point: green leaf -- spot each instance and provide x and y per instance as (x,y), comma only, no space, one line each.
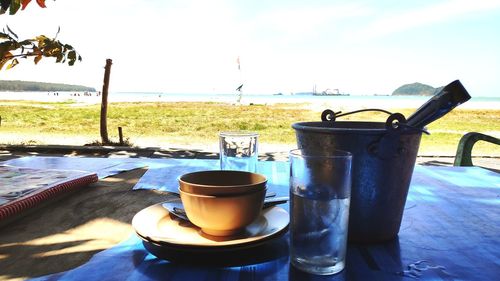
(4,4)
(59,57)
(14,6)
(5,59)
(4,47)
(11,32)
(13,63)
(39,47)
(72,55)
(41,38)
(25,42)
(8,46)
(2,63)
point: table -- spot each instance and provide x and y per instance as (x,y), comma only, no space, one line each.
(450,231)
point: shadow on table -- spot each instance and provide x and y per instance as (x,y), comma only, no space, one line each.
(163,270)
(363,262)
(380,261)
(66,233)
(297,275)
(268,251)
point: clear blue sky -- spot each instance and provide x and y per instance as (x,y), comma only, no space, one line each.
(191,46)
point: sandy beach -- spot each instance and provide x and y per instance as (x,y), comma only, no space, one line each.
(316,103)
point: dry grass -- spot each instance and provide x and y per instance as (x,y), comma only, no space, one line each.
(195,124)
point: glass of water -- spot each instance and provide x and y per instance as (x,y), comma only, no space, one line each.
(238,151)
(320,192)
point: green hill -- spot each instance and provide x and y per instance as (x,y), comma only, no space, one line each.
(29,86)
(415,89)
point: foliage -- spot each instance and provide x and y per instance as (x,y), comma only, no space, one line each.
(14,5)
(42,46)
(18,86)
(11,48)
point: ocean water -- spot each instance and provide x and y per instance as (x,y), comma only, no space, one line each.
(320,102)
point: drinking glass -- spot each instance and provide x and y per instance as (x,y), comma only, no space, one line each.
(238,151)
(320,192)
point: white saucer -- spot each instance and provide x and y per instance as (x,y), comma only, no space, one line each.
(155,224)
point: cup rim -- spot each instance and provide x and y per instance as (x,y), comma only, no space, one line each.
(332,154)
(182,178)
(238,134)
(232,195)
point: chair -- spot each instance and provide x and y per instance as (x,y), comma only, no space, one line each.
(464,150)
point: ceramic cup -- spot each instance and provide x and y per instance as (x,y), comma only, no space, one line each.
(223,215)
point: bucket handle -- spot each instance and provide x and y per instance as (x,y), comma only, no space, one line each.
(395,121)
(330,115)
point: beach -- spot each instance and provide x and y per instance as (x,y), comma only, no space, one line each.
(317,103)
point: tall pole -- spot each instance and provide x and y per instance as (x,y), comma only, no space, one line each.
(240,88)
(104,103)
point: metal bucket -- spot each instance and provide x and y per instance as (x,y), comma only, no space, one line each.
(384,156)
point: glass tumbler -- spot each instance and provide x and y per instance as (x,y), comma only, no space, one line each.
(320,191)
(238,151)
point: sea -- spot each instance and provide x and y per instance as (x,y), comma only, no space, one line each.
(352,102)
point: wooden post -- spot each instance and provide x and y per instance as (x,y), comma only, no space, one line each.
(104,103)
(0,121)
(120,134)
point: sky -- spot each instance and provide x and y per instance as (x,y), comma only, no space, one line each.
(283,46)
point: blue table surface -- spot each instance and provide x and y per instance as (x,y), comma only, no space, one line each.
(450,231)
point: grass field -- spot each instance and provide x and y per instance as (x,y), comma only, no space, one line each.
(195,124)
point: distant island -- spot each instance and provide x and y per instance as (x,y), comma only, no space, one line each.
(416,89)
(30,86)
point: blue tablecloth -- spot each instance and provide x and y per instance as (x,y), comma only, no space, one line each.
(450,231)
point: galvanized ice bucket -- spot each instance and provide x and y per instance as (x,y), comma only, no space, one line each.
(384,156)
